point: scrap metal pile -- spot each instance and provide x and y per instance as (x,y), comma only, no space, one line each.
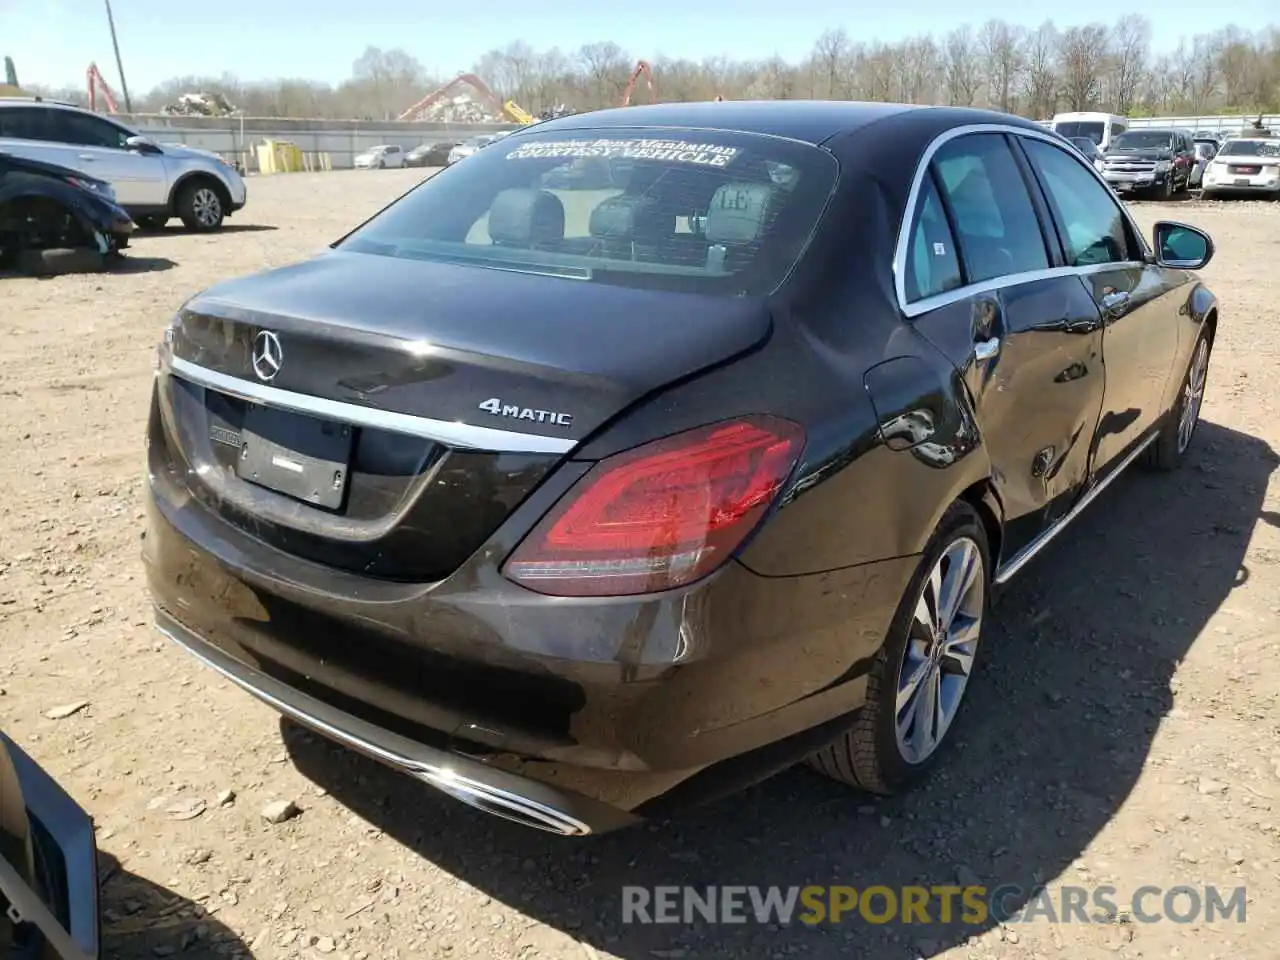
(200,105)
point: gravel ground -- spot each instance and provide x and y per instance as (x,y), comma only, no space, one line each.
(1124,731)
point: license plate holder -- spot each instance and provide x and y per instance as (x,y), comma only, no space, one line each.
(300,456)
(1243,182)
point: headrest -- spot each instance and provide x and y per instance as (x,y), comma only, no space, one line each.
(621,217)
(739,212)
(523,216)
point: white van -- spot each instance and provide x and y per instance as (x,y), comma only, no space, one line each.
(1101,128)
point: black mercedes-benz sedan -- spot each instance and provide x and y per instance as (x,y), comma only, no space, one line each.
(582,499)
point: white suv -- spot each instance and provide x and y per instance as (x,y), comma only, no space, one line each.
(152,182)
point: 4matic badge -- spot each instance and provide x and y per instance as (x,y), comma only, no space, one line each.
(516,412)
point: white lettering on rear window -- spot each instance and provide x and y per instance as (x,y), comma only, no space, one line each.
(671,151)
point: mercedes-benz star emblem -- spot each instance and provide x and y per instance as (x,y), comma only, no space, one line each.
(267,355)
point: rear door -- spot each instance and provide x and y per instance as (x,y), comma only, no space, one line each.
(31,133)
(985,283)
(1137,300)
(99,149)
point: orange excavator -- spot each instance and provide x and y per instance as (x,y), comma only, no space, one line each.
(99,87)
(510,109)
(642,67)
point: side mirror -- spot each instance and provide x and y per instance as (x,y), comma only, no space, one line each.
(141,145)
(1181,246)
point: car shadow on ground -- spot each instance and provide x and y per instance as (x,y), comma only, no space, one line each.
(1078,662)
(142,921)
(174,229)
(134,264)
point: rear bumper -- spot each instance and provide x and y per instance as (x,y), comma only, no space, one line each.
(70,829)
(494,791)
(619,701)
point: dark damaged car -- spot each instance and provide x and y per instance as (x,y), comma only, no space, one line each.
(48,866)
(583,499)
(48,211)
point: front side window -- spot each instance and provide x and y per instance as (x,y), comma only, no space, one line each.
(933,266)
(695,211)
(995,223)
(1091,221)
(86,131)
(1116,130)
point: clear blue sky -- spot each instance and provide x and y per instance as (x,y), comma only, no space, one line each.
(53,41)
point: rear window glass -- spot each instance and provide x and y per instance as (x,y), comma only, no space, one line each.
(1250,148)
(692,211)
(1091,129)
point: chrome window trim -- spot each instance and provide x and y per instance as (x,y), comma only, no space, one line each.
(450,433)
(902,248)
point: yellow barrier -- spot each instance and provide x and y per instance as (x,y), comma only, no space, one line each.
(279,156)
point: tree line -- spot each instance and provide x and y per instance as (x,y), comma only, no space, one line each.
(1032,71)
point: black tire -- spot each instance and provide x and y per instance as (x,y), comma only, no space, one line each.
(200,206)
(1171,446)
(1165,190)
(869,756)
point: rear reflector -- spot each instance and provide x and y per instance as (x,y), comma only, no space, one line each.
(662,515)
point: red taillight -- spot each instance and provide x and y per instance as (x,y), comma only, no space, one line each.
(661,515)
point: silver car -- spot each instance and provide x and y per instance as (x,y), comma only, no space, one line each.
(152,182)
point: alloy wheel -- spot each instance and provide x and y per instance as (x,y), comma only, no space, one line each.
(940,650)
(1193,395)
(207,207)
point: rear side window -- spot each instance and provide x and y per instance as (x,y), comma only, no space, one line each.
(1091,222)
(933,266)
(695,211)
(25,123)
(995,223)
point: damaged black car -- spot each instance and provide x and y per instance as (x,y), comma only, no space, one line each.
(54,219)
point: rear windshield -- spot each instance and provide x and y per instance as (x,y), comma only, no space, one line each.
(1142,140)
(1250,148)
(688,210)
(1091,129)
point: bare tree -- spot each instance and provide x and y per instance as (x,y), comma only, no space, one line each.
(1001,50)
(1041,74)
(830,54)
(1130,49)
(1082,55)
(964,75)
(996,64)
(605,63)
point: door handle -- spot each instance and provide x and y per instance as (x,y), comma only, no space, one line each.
(986,349)
(87,156)
(1115,301)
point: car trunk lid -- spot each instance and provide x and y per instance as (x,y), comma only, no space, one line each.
(412,405)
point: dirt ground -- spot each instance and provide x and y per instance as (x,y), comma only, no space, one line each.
(1124,731)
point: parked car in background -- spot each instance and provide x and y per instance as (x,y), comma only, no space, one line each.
(154,182)
(1101,128)
(1245,166)
(469,147)
(50,211)
(48,866)
(1206,149)
(652,518)
(1153,161)
(383,156)
(1089,150)
(430,154)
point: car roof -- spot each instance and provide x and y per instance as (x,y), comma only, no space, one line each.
(809,121)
